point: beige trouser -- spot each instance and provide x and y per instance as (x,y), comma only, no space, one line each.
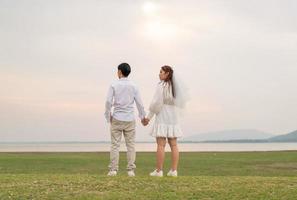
(116,130)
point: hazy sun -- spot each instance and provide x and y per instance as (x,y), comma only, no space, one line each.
(149,8)
(156,26)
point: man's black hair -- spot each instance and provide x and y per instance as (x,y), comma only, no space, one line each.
(125,69)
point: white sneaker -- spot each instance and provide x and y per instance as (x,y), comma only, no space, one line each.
(156,173)
(131,173)
(172,173)
(112,173)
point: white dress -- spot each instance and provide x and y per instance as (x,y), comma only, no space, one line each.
(167,114)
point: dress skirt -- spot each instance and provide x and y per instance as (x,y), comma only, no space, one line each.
(167,123)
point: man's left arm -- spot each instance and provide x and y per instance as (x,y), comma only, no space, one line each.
(108,104)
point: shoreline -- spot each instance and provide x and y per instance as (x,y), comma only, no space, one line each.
(148,147)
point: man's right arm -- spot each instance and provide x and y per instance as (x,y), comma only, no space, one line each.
(139,104)
(108,104)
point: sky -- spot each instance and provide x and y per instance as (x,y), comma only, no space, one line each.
(58,58)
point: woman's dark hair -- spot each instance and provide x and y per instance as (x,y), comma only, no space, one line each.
(169,70)
(125,69)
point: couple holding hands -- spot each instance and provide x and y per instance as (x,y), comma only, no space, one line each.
(168,102)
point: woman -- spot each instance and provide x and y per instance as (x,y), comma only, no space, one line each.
(166,104)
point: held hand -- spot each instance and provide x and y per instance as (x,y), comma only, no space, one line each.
(145,121)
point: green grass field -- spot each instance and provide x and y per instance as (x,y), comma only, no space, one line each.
(257,175)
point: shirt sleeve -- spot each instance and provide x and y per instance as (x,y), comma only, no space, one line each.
(139,104)
(108,104)
(156,103)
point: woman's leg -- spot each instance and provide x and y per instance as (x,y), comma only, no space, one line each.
(174,153)
(161,142)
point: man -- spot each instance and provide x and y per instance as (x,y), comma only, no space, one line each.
(121,96)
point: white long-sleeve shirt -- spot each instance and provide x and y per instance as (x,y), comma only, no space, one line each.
(121,96)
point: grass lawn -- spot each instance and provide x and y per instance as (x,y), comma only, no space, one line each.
(252,175)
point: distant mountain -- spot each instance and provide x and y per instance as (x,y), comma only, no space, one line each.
(290,137)
(239,134)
